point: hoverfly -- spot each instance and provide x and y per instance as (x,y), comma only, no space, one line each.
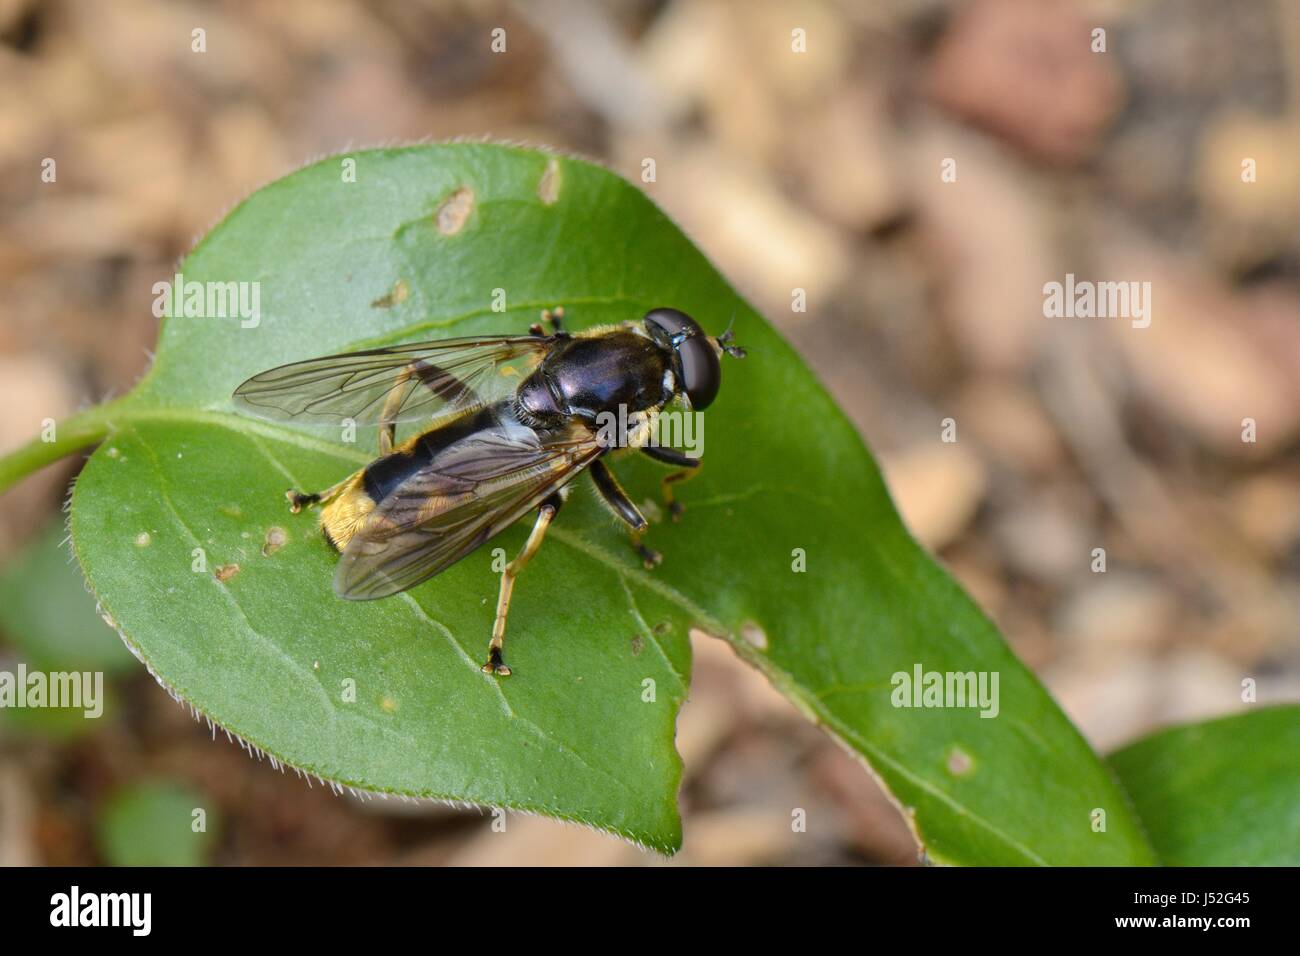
(512,420)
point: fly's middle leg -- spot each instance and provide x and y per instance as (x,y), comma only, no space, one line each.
(545,515)
(612,493)
(687,466)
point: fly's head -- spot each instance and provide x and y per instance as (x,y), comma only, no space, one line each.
(696,357)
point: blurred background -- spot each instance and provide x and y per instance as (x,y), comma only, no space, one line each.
(817,170)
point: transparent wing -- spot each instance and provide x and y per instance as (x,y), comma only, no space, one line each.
(468,493)
(401,383)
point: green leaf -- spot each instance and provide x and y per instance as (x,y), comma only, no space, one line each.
(153,824)
(48,614)
(1221,793)
(584,729)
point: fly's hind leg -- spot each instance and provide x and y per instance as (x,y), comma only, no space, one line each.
(688,468)
(545,515)
(299,500)
(446,386)
(612,493)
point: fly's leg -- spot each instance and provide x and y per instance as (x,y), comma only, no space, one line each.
(445,385)
(649,556)
(388,415)
(553,317)
(545,515)
(688,468)
(299,500)
(612,493)
(675,507)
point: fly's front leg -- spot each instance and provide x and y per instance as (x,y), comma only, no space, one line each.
(689,468)
(545,515)
(612,493)
(552,317)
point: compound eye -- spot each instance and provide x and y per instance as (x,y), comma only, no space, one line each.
(664,323)
(701,371)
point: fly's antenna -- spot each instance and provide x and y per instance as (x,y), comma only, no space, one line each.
(724,341)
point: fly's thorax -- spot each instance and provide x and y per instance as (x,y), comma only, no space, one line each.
(537,400)
(608,373)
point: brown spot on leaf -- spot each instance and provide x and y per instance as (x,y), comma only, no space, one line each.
(401,292)
(959,762)
(548,189)
(227,571)
(638,642)
(454,210)
(275,540)
(754,635)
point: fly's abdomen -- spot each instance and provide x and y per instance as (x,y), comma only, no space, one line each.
(343,516)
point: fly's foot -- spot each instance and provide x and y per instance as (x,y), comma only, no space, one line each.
(649,557)
(297,500)
(495,665)
(688,468)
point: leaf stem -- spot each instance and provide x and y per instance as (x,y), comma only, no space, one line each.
(79,431)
